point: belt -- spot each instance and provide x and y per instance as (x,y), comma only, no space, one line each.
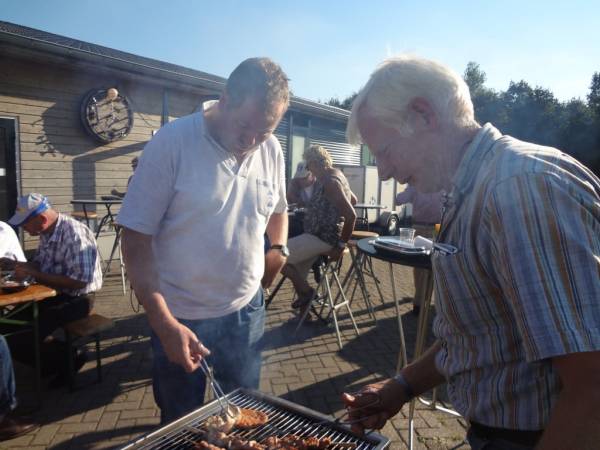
(523,437)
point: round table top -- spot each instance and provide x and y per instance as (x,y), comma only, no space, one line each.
(361,234)
(418,261)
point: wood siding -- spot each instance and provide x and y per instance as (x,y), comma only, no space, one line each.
(56,156)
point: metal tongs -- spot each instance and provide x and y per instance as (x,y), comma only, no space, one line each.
(226,406)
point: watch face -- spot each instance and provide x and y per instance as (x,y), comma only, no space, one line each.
(106,115)
(285,251)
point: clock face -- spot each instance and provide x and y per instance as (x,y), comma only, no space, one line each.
(106,115)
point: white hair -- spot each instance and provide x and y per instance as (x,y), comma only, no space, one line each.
(399,80)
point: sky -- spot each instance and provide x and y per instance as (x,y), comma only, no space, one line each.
(328,48)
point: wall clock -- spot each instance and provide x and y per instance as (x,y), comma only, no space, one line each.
(106,115)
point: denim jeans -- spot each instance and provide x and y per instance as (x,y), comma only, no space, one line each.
(235,344)
(8,397)
(479,443)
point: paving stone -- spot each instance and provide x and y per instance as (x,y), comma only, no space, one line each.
(307,368)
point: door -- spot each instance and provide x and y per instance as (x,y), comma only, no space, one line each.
(8,169)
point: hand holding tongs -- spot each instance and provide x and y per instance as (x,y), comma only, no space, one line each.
(226,406)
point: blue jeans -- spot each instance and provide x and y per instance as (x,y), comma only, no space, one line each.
(235,344)
(8,397)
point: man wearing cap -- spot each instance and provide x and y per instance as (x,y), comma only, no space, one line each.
(66,260)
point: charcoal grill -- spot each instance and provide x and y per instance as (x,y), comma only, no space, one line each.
(284,418)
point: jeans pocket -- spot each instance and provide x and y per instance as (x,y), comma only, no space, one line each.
(257,303)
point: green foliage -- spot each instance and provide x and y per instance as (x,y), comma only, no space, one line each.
(344,104)
(536,115)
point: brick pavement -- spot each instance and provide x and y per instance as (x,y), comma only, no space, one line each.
(307,368)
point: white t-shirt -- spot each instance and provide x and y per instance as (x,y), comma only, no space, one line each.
(207,215)
(9,243)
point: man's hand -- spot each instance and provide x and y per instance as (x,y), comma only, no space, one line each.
(7,264)
(373,405)
(274,261)
(24,270)
(182,347)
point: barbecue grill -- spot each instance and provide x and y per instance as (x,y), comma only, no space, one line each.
(284,418)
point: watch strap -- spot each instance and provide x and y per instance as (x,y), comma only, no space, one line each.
(408,390)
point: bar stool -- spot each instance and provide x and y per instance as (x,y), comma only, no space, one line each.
(361,266)
(85,216)
(323,298)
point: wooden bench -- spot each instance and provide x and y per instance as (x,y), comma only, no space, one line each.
(75,331)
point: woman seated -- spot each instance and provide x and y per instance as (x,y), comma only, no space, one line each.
(328,223)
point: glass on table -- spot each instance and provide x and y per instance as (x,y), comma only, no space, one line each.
(407,235)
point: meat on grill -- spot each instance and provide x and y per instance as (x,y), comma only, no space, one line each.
(251,418)
(293,442)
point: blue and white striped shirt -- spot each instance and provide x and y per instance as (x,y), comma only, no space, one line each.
(525,285)
(71,251)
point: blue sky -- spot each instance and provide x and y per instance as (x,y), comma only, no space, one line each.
(329,47)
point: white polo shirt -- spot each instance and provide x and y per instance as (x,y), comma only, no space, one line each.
(207,215)
(9,243)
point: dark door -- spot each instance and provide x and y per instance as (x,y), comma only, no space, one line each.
(8,169)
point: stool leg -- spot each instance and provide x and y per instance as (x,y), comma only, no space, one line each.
(98,360)
(377,282)
(363,287)
(345,303)
(335,319)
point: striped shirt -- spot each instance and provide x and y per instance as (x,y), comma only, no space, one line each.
(525,284)
(71,251)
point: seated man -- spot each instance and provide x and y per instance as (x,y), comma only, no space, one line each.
(115,191)
(11,426)
(66,260)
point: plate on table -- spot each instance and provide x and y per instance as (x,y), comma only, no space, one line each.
(13,286)
(394,244)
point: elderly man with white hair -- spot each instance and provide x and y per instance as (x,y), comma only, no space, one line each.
(518,310)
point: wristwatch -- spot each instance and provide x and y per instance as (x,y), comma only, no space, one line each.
(282,248)
(406,388)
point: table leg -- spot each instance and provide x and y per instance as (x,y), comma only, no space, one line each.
(37,350)
(85,214)
(402,358)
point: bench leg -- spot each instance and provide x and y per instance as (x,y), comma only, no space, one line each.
(70,358)
(98,361)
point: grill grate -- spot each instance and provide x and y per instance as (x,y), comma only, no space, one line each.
(284,418)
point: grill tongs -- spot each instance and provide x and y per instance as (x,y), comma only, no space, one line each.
(227,407)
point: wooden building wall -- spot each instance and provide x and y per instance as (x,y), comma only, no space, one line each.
(55,155)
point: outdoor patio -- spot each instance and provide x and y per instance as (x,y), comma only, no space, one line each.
(307,368)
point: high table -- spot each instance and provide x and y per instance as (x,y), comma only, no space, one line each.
(107,220)
(364,208)
(14,302)
(422,262)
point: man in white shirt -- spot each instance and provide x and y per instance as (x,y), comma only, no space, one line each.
(207,188)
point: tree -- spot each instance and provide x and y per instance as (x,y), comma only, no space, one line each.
(344,104)
(474,77)
(594,95)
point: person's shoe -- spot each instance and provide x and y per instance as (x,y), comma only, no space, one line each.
(12,427)
(62,378)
